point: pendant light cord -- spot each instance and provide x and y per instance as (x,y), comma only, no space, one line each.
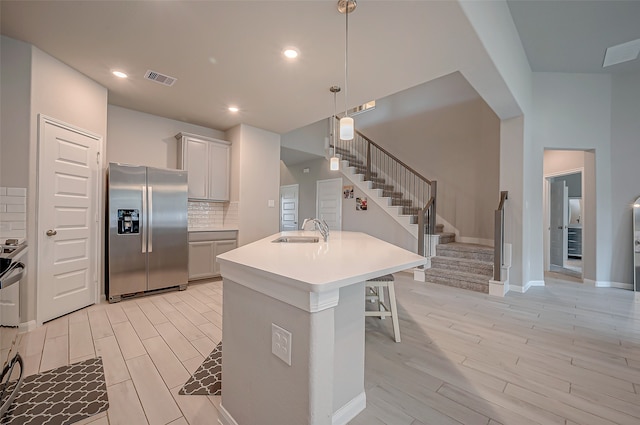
(333,123)
(346,58)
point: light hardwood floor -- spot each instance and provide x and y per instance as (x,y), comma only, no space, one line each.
(562,354)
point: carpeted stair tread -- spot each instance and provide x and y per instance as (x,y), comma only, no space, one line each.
(446,237)
(391,194)
(465,250)
(458,279)
(382,186)
(400,202)
(467,265)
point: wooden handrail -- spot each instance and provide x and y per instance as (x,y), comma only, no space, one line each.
(503,196)
(386,152)
(429,207)
(379,165)
(498,237)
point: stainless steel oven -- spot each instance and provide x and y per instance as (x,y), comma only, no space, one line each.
(12,271)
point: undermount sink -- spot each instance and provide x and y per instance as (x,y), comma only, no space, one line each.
(296,239)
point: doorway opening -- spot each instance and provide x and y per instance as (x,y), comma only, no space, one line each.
(289,207)
(329,202)
(564,207)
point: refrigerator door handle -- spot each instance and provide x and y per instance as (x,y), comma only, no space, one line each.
(150,220)
(144,218)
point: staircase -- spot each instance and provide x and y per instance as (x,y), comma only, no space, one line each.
(406,196)
(356,170)
(462,265)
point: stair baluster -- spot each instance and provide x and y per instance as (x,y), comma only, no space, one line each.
(413,193)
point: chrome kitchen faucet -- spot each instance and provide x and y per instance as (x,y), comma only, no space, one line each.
(322,226)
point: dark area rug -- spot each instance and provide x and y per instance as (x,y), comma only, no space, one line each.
(207,379)
(60,396)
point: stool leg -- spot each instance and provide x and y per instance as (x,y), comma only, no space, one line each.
(394,311)
(381,301)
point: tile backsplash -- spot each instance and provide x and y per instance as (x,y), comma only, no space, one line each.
(13,213)
(212,214)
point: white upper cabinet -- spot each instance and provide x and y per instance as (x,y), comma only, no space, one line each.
(207,161)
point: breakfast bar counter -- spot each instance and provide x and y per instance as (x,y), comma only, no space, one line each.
(293,326)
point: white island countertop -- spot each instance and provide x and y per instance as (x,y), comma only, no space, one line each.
(311,297)
(346,258)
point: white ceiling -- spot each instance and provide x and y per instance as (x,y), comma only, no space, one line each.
(572,36)
(229,52)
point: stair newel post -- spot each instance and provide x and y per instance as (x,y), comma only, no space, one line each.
(368,171)
(498,235)
(432,221)
(421,231)
(427,221)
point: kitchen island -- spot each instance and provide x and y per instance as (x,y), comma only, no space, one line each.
(293,326)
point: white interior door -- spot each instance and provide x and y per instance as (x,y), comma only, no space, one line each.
(68,201)
(329,202)
(289,207)
(558,214)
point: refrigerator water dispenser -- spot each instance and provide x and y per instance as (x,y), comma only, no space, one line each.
(128,221)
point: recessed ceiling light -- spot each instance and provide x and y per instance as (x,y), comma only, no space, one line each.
(233,109)
(290,53)
(119,74)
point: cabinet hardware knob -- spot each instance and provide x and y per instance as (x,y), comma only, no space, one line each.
(51,232)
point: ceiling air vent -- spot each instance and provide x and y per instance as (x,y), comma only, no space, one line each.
(160,78)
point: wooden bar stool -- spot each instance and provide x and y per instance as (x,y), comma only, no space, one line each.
(374,292)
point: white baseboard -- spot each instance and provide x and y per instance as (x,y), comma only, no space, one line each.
(608,284)
(418,275)
(27,326)
(622,285)
(343,415)
(225,417)
(498,288)
(525,288)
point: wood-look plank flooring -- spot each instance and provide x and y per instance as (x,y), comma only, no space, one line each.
(563,354)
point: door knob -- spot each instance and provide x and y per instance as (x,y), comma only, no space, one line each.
(51,233)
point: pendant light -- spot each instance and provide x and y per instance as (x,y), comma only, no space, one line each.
(346,123)
(334,162)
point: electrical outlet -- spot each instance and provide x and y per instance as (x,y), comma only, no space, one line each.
(281,343)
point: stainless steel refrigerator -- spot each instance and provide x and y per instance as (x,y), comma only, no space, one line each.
(148,240)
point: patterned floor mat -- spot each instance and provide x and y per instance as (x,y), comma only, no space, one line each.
(60,396)
(207,380)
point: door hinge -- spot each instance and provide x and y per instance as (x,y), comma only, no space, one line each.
(98,158)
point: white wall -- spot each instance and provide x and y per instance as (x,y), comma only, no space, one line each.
(508,91)
(573,111)
(43,85)
(255,181)
(15,89)
(310,138)
(562,161)
(625,180)
(375,221)
(142,139)
(65,94)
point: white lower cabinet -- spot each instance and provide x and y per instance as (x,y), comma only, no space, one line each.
(203,249)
